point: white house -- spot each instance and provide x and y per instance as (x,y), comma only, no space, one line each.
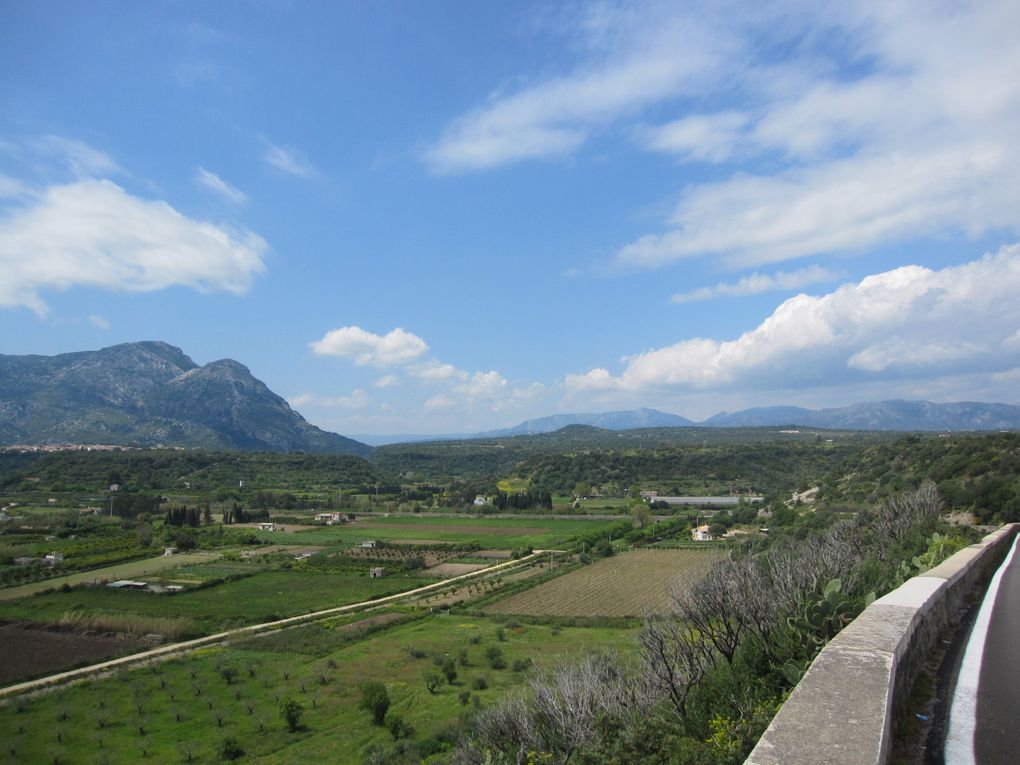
(54,558)
(331,519)
(168,551)
(267,526)
(701,534)
(378,572)
(368,543)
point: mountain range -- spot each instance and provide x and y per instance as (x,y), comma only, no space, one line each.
(153,394)
(150,394)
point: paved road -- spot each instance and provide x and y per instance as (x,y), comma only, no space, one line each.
(984,719)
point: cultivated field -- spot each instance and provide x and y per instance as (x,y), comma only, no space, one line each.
(183,709)
(261,597)
(488,532)
(623,585)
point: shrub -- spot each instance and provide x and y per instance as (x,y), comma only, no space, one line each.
(375,699)
(480,682)
(291,711)
(521,665)
(230,749)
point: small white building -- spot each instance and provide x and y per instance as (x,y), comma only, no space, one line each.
(168,551)
(267,526)
(701,534)
(481,501)
(331,519)
(54,558)
(378,572)
(368,544)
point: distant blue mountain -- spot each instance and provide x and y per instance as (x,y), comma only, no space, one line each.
(626,420)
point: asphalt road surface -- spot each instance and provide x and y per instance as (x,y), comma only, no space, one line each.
(984,719)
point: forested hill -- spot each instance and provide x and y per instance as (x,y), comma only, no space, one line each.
(973,472)
(183,471)
(150,394)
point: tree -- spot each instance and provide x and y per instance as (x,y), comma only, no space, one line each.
(432,681)
(641,514)
(449,669)
(398,727)
(375,699)
(291,711)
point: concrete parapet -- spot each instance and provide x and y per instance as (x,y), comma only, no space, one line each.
(842,711)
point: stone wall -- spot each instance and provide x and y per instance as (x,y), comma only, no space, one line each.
(842,710)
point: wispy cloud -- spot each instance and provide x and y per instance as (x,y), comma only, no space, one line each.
(832,127)
(638,64)
(83,160)
(756,284)
(209,180)
(98,322)
(911,323)
(288,160)
(357,399)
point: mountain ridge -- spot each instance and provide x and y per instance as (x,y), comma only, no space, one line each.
(151,393)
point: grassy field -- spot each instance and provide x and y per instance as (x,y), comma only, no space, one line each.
(261,597)
(623,585)
(183,709)
(487,532)
(130,570)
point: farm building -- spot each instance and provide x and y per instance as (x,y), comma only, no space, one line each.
(168,551)
(267,526)
(54,558)
(481,501)
(331,518)
(368,543)
(128,584)
(701,534)
(377,573)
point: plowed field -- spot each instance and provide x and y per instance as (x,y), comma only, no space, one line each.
(627,584)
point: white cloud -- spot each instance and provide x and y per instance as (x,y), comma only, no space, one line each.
(906,131)
(387,381)
(288,160)
(99,322)
(92,233)
(436,371)
(358,399)
(82,160)
(908,323)
(708,137)
(639,63)
(214,183)
(756,284)
(835,127)
(395,347)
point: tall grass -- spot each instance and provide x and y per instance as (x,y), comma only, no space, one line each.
(132,624)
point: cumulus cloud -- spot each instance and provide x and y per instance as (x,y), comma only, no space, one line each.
(93,233)
(367,348)
(907,323)
(387,381)
(228,191)
(288,160)
(756,284)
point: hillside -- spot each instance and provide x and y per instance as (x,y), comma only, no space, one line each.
(151,394)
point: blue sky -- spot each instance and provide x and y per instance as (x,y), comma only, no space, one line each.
(446,217)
